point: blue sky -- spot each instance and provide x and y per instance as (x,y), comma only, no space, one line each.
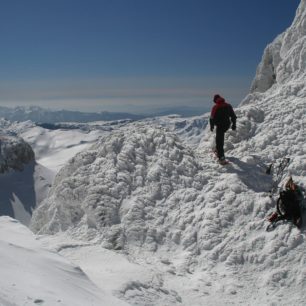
(133,55)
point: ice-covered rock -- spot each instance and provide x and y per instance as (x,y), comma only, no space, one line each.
(24,183)
(14,153)
(125,186)
(191,130)
(279,91)
(283,61)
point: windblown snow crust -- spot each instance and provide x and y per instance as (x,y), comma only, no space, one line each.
(126,186)
(283,61)
(279,90)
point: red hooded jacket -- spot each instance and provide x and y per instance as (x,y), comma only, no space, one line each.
(222,114)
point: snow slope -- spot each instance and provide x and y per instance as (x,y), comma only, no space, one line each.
(22,191)
(32,275)
(53,148)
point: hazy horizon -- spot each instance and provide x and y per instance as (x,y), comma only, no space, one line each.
(134,56)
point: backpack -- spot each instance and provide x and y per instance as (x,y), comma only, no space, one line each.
(288,206)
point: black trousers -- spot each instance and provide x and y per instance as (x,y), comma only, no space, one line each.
(220,141)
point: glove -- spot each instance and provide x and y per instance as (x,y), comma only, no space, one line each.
(234,127)
(211,128)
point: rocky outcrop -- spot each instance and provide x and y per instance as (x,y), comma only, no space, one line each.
(14,153)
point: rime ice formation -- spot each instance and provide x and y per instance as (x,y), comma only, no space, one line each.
(279,90)
(283,61)
(124,186)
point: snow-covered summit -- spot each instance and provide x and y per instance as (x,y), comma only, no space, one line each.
(283,61)
(279,91)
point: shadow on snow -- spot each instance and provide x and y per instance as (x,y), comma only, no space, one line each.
(17,193)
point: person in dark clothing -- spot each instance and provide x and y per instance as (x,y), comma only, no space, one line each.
(222,116)
(291,198)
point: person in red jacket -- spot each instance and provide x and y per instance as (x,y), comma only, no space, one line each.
(222,116)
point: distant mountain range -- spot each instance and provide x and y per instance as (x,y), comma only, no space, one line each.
(42,115)
(38,114)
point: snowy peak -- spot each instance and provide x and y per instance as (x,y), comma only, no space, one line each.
(297,30)
(279,91)
(284,59)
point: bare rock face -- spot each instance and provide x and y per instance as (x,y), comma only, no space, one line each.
(14,153)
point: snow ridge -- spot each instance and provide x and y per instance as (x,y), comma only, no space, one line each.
(283,61)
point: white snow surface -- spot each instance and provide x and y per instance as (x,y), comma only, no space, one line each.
(283,61)
(53,148)
(151,218)
(32,275)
